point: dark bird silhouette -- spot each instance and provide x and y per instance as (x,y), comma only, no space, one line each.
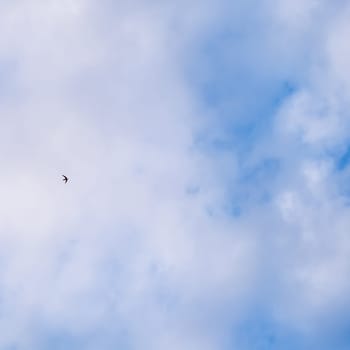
(65,178)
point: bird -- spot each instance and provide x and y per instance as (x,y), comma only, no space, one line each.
(65,178)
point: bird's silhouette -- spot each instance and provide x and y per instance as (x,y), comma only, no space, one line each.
(65,178)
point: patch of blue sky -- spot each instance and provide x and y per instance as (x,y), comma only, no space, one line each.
(241,87)
(344,159)
(266,169)
(238,91)
(254,187)
(337,336)
(340,158)
(259,331)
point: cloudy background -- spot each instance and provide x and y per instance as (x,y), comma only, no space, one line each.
(207,145)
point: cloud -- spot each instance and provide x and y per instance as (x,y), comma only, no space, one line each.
(204,207)
(121,252)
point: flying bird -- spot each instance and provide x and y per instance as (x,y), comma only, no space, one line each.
(65,178)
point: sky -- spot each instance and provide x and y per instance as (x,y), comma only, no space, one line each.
(207,145)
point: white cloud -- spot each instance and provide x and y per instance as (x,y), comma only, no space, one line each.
(105,104)
(315,126)
(137,248)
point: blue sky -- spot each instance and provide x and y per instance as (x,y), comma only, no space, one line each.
(207,146)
